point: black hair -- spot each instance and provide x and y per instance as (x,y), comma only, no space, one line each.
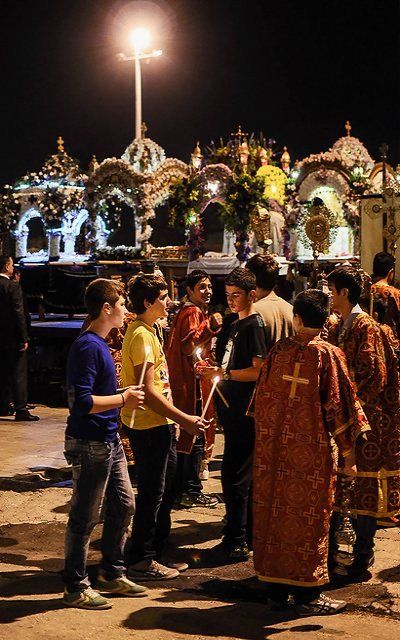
(265,269)
(196,276)
(383,263)
(313,308)
(100,291)
(3,261)
(242,279)
(146,287)
(350,278)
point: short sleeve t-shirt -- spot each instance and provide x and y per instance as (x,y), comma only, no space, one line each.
(137,337)
(246,341)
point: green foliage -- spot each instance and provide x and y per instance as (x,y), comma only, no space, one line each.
(183,200)
(243,195)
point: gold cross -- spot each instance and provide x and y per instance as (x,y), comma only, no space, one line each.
(347,126)
(144,129)
(295,380)
(239,134)
(60,143)
(390,212)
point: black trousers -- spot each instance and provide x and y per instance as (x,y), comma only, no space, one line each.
(13,378)
(188,469)
(236,476)
(155,463)
(302,595)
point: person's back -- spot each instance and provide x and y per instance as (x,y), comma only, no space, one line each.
(275,311)
(278,317)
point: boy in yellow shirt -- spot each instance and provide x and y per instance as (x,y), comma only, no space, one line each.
(153,436)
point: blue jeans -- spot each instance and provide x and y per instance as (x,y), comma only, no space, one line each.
(99,471)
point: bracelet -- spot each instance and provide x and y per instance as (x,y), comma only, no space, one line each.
(123,400)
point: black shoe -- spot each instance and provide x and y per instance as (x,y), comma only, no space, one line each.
(189,500)
(7,411)
(224,553)
(25,416)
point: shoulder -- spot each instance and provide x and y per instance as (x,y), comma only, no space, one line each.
(88,345)
(364,322)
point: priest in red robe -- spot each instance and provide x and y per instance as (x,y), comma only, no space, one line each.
(383,276)
(372,367)
(304,399)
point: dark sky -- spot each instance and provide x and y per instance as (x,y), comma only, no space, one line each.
(294,69)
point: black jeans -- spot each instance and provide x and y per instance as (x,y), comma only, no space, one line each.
(14,378)
(99,471)
(302,595)
(236,476)
(155,463)
(188,469)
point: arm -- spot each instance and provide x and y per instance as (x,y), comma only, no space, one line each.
(18,311)
(369,362)
(238,375)
(195,330)
(158,403)
(133,398)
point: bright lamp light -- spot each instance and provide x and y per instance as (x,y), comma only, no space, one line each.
(140,38)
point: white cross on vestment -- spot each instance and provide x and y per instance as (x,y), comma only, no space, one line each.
(295,380)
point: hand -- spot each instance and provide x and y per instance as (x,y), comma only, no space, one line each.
(134,397)
(24,346)
(215,321)
(194,425)
(349,470)
(210,372)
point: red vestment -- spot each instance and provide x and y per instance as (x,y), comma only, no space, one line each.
(190,330)
(304,398)
(392,295)
(373,367)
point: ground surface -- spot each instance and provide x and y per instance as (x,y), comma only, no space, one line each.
(205,602)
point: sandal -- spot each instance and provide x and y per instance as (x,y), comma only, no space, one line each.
(322,606)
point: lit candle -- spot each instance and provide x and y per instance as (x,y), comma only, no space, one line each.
(147,353)
(214,386)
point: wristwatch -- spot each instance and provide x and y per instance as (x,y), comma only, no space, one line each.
(226,376)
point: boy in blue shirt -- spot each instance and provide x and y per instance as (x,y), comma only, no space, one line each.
(93,447)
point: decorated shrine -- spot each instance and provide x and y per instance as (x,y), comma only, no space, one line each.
(45,212)
(233,198)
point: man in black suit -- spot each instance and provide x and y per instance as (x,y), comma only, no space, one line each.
(13,342)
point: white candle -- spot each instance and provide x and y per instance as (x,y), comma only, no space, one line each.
(147,353)
(214,386)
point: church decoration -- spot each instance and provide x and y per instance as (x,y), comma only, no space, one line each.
(318,227)
(55,196)
(141,178)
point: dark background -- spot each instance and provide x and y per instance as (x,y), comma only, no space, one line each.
(295,70)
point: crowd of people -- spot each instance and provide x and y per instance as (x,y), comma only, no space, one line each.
(306,394)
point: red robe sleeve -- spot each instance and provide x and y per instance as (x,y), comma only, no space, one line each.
(369,360)
(344,417)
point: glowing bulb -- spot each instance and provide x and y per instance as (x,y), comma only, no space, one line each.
(140,38)
(212,186)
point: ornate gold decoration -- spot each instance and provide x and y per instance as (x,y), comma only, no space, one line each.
(60,145)
(347,126)
(285,160)
(389,209)
(143,129)
(317,226)
(260,221)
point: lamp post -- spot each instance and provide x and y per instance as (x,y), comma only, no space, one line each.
(140,39)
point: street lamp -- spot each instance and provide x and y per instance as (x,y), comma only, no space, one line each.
(140,39)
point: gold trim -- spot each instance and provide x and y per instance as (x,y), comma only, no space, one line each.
(380,475)
(295,583)
(342,428)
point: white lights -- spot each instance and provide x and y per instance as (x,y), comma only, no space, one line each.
(213,186)
(140,39)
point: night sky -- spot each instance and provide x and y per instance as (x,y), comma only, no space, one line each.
(295,70)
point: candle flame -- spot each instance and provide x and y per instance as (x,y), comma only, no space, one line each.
(147,350)
(198,353)
(216,379)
